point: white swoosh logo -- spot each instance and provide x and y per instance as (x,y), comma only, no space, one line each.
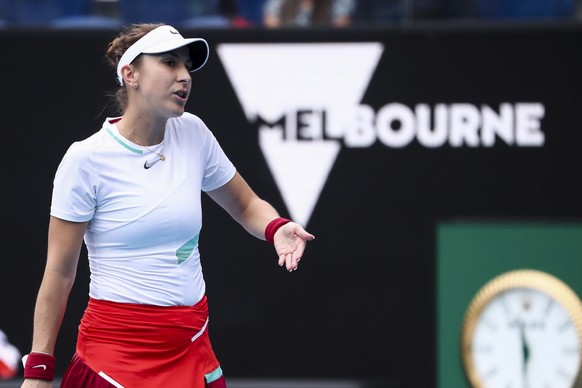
(43,366)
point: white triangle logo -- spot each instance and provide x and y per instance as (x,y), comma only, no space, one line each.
(302,92)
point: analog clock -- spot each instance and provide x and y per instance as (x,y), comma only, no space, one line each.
(523,329)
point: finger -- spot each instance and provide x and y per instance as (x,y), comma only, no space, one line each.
(288,262)
(295,263)
(305,235)
(298,253)
(291,263)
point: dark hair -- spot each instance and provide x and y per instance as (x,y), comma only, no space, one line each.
(128,36)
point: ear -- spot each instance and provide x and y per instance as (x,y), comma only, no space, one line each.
(128,74)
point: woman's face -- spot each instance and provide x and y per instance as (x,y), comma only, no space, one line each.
(164,82)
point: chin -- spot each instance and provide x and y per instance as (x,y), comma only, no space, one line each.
(177,113)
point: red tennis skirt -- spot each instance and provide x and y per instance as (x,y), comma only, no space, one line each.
(134,346)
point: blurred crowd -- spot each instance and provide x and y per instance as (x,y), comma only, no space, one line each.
(9,358)
(274,13)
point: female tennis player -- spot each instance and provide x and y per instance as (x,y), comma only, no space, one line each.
(131,193)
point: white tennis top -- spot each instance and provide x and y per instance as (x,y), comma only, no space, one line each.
(144,223)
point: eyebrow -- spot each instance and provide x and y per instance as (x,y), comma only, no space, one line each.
(174,54)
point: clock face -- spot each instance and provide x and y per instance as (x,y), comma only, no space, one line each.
(523,330)
(525,338)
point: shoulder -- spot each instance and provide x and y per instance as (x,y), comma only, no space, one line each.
(188,120)
(189,125)
(81,149)
(82,153)
(84,148)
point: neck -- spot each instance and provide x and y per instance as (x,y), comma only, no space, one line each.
(140,131)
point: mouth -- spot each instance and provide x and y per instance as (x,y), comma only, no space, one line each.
(182,94)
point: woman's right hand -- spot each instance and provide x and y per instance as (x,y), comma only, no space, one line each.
(36,383)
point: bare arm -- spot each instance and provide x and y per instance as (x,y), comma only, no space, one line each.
(64,247)
(241,202)
(254,214)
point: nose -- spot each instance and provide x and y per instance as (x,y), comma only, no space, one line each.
(184,75)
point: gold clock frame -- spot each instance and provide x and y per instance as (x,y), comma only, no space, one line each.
(521,278)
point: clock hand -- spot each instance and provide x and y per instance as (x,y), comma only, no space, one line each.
(524,351)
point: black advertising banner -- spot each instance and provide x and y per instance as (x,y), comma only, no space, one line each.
(368,137)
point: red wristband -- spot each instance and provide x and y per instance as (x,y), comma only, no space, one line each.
(273,226)
(39,366)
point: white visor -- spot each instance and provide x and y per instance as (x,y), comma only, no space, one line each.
(161,40)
